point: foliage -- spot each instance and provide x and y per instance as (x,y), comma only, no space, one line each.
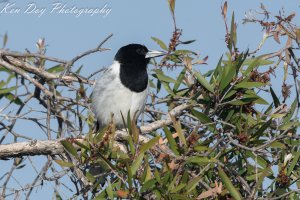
(235,137)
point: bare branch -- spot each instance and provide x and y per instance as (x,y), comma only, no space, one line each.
(54,147)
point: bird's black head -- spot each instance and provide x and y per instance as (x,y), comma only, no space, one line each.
(133,54)
(133,59)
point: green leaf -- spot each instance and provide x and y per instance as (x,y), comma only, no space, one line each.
(204,82)
(296,156)
(101,196)
(252,64)
(99,135)
(157,175)
(69,147)
(7,90)
(128,122)
(160,43)
(218,71)
(180,197)
(56,69)
(233,40)
(255,62)
(151,84)
(192,184)
(289,125)
(229,72)
(184,52)
(291,111)
(188,42)
(137,163)
(79,69)
(262,129)
(251,94)
(109,191)
(168,88)
(14,98)
(2,83)
(179,80)
(131,144)
(243,101)
(145,147)
(228,184)
(147,172)
(277,144)
(158,85)
(201,160)
(260,176)
(162,77)
(201,116)
(130,175)
(178,188)
(275,98)
(178,128)
(230,94)
(171,140)
(64,164)
(148,185)
(249,85)
(81,145)
(201,148)
(258,159)
(90,177)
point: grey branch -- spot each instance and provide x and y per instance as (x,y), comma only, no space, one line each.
(54,147)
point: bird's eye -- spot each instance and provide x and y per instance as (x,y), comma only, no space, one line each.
(141,52)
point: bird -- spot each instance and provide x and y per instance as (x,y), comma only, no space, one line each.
(122,88)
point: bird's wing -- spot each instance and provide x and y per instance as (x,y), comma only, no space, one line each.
(102,82)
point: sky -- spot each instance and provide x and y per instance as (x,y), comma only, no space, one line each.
(134,21)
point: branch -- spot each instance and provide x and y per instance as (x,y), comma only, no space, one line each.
(4,52)
(41,72)
(97,49)
(54,147)
(31,148)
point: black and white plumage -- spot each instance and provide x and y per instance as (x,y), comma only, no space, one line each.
(123,86)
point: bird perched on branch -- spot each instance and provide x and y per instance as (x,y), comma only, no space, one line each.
(122,88)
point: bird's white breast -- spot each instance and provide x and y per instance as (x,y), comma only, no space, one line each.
(110,96)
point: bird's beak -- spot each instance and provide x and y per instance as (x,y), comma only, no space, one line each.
(153,53)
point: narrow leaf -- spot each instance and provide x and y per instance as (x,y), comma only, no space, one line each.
(201,160)
(56,69)
(228,184)
(171,140)
(162,77)
(188,42)
(179,80)
(249,85)
(7,90)
(69,147)
(160,43)
(145,147)
(275,98)
(201,116)
(64,164)
(192,184)
(296,156)
(204,82)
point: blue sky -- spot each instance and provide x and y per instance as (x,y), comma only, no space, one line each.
(130,21)
(134,21)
